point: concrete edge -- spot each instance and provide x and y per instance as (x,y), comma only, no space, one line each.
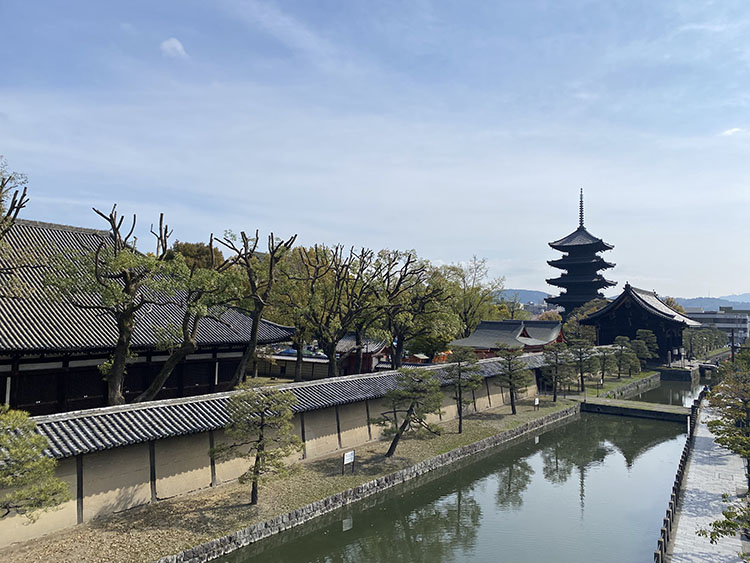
(255,532)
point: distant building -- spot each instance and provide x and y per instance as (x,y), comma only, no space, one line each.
(638,309)
(581,263)
(532,336)
(732,321)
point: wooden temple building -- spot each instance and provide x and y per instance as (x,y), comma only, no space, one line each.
(50,350)
(532,336)
(638,309)
(581,264)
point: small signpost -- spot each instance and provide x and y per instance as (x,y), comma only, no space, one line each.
(348,459)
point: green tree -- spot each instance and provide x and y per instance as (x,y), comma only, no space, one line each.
(472,292)
(197,254)
(27,476)
(649,338)
(672,303)
(464,374)
(583,354)
(605,360)
(117,281)
(260,275)
(260,426)
(558,366)
(513,372)
(641,351)
(417,394)
(623,354)
(549,316)
(201,293)
(573,327)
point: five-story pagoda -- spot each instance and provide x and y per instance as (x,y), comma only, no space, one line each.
(582,263)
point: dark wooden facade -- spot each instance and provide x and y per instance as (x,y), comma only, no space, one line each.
(638,309)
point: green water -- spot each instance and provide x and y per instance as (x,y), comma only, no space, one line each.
(593,490)
(673,393)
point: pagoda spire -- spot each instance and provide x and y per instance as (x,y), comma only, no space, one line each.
(580,211)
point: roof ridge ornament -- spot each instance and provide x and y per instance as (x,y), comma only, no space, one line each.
(580,211)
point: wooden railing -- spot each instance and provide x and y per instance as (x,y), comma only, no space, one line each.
(665,533)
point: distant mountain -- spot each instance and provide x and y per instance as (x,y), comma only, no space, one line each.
(711,303)
(523,295)
(741,298)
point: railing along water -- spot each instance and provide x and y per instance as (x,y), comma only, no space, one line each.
(665,533)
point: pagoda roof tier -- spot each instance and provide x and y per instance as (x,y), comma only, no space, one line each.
(594,280)
(646,300)
(588,260)
(580,239)
(565,299)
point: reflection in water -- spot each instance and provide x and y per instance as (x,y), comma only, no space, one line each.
(513,478)
(673,393)
(520,504)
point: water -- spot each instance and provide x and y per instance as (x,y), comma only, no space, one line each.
(673,393)
(593,490)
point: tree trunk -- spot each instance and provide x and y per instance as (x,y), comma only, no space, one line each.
(512,399)
(249,353)
(554,387)
(116,375)
(583,385)
(258,463)
(398,353)
(358,352)
(459,393)
(166,370)
(400,431)
(298,363)
(330,351)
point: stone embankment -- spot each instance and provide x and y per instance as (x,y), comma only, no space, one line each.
(635,388)
(246,536)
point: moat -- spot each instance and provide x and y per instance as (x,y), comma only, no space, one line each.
(592,490)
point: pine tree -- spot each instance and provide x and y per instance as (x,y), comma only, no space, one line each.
(465,377)
(513,372)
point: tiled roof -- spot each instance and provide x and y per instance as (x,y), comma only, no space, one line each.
(81,432)
(349,344)
(511,333)
(580,238)
(38,323)
(649,301)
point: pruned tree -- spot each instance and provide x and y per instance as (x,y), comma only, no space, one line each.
(514,375)
(463,374)
(13,198)
(558,366)
(27,476)
(260,274)
(417,394)
(472,292)
(649,338)
(583,352)
(605,361)
(261,431)
(625,357)
(117,281)
(202,290)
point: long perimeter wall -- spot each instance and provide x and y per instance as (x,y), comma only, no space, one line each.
(120,477)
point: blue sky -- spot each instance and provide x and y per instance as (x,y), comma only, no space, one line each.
(454,128)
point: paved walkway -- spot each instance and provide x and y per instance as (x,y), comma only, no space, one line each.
(711,471)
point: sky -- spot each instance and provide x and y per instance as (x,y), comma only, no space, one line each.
(454,128)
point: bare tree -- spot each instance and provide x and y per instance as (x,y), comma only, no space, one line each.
(13,199)
(261,273)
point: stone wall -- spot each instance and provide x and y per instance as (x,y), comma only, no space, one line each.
(634,388)
(227,544)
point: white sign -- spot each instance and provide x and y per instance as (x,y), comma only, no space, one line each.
(349,457)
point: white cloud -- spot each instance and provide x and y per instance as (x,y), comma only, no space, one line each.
(173,48)
(732,131)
